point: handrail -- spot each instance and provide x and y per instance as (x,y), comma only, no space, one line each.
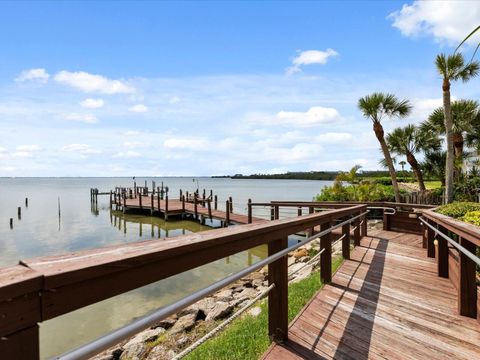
(116,336)
(393,210)
(452,242)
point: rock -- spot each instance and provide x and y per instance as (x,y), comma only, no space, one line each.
(304,259)
(185,323)
(103,357)
(257,282)
(237,302)
(257,276)
(206,305)
(117,353)
(182,341)
(192,309)
(247,293)
(255,311)
(136,348)
(166,323)
(300,253)
(264,270)
(220,311)
(224,295)
(159,352)
(291,261)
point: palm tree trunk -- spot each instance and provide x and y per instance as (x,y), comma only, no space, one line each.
(449,167)
(416,169)
(379,133)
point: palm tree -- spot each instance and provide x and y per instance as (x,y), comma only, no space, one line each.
(409,141)
(452,68)
(465,122)
(433,164)
(402,164)
(376,107)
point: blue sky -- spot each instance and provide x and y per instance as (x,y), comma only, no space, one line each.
(209,88)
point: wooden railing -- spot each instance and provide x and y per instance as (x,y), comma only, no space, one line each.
(44,288)
(453,262)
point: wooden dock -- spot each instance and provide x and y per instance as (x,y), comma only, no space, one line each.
(385,302)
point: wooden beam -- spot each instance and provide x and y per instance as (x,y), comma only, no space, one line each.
(430,241)
(442,264)
(278,296)
(326,256)
(22,345)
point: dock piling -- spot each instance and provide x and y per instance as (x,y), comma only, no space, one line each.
(26,202)
(11,223)
(19,213)
(249,205)
(227,213)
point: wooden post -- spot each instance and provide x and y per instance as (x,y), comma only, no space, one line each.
(26,202)
(231,204)
(211,194)
(249,208)
(195,206)
(111,199)
(272,213)
(204,194)
(209,205)
(430,241)
(386,225)
(311,231)
(346,241)
(364,225)
(124,202)
(215,202)
(467,287)
(166,207)
(180,194)
(442,264)
(356,232)
(152,203)
(19,212)
(140,200)
(277,212)
(21,345)
(278,296)
(135,188)
(326,256)
(299,211)
(227,213)
(183,204)
(158,201)
(11,223)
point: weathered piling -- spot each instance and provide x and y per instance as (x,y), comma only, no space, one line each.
(215,199)
(195,206)
(227,213)
(249,206)
(26,202)
(140,200)
(204,194)
(230,200)
(166,206)
(19,213)
(152,203)
(209,205)
(11,223)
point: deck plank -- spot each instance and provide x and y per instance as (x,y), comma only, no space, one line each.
(386,302)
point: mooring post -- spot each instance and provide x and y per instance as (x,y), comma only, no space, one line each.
(227,213)
(19,213)
(135,188)
(140,200)
(152,203)
(26,202)
(183,204)
(215,199)
(180,194)
(158,201)
(111,199)
(124,202)
(211,194)
(209,205)
(231,203)
(204,194)
(249,205)
(11,223)
(299,211)
(166,207)
(195,206)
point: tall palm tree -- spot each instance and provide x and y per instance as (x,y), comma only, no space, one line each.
(465,122)
(433,164)
(376,107)
(408,141)
(452,68)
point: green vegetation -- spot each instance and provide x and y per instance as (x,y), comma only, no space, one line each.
(472,217)
(432,185)
(458,209)
(247,337)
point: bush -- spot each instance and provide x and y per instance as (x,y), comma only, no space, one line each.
(362,192)
(472,217)
(458,209)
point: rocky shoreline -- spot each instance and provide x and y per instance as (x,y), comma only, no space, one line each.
(170,336)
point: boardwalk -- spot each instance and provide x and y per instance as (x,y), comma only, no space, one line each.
(386,302)
(175,207)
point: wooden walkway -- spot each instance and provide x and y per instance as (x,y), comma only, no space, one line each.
(175,207)
(386,302)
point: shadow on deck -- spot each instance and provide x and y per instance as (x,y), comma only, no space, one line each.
(386,302)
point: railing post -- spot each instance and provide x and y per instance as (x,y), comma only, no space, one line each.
(386,225)
(346,241)
(430,241)
(356,232)
(277,212)
(227,213)
(326,256)
(442,264)
(365,224)
(467,287)
(249,205)
(272,213)
(278,296)
(299,211)
(311,231)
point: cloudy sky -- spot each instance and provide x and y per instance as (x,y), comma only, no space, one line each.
(211,88)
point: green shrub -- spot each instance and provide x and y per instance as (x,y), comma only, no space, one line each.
(363,192)
(472,217)
(458,209)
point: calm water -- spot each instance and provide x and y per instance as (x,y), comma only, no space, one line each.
(41,231)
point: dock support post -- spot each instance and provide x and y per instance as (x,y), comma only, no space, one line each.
(158,201)
(19,212)
(26,202)
(227,213)
(249,205)
(467,287)
(211,194)
(442,263)
(326,256)
(299,211)
(209,205)
(166,207)
(183,204)
(140,200)
(215,202)
(277,212)
(135,188)
(278,296)
(11,223)
(272,213)
(111,199)
(152,203)
(195,206)
(231,204)
(204,194)
(180,194)
(346,241)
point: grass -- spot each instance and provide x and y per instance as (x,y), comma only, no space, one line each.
(247,337)
(431,185)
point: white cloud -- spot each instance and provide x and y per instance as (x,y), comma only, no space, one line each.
(334,138)
(86,118)
(134,144)
(139,108)
(91,83)
(310,57)
(2,149)
(39,75)
(127,154)
(29,148)
(186,143)
(446,21)
(174,100)
(314,116)
(92,103)
(83,149)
